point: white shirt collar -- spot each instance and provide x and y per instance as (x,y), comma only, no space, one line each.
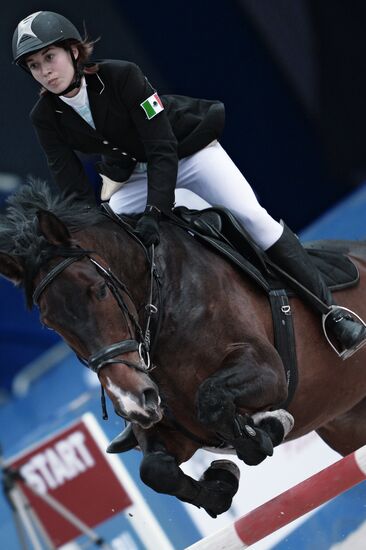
(80,99)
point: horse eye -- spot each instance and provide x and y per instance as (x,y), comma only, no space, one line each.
(102,291)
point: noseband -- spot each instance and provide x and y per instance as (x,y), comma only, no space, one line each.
(106,355)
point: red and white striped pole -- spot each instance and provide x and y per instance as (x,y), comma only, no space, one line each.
(290,505)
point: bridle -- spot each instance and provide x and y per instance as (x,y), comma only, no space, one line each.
(106,355)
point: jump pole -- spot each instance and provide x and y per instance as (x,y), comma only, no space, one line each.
(290,505)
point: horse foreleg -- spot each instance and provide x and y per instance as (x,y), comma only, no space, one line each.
(160,471)
(252,379)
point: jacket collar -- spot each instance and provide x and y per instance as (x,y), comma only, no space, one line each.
(97,99)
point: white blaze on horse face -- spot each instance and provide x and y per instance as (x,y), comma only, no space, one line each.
(124,399)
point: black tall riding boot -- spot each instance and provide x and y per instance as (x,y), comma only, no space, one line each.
(291,257)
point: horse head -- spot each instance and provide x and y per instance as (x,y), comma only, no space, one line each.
(80,297)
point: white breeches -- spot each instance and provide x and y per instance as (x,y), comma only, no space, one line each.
(209,177)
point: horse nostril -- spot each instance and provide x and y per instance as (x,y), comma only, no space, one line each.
(150,398)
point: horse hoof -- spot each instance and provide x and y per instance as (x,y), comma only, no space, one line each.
(125,441)
(222,469)
(219,484)
(216,495)
(254,451)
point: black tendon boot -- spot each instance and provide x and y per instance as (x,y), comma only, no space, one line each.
(289,255)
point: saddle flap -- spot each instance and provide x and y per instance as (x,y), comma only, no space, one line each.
(219,227)
(208,222)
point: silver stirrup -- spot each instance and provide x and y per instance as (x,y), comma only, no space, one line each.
(346,353)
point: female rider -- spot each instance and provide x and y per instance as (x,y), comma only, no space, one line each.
(150,147)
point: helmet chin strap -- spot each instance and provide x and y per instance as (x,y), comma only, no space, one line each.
(76,83)
(78,75)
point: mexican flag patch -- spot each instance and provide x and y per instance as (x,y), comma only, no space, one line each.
(152,106)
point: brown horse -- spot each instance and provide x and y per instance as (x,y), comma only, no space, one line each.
(216,378)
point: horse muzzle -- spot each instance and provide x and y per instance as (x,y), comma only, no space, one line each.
(140,406)
(152,411)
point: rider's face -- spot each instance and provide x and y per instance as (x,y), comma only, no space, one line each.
(52,67)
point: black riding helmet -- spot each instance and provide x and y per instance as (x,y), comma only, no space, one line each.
(42,29)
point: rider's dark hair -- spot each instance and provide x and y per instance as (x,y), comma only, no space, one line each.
(85,49)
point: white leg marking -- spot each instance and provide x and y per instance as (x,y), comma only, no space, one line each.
(286,419)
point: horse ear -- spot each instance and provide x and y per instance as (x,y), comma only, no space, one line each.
(53,229)
(11,268)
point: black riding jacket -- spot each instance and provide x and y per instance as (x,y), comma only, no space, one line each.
(124,135)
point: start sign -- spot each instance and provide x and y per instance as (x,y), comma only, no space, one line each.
(72,467)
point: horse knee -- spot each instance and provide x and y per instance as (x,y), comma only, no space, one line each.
(160,472)
(215,406)
(250,379)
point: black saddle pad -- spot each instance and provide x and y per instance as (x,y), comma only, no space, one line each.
(337,269)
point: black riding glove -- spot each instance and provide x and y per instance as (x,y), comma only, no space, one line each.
(147,228)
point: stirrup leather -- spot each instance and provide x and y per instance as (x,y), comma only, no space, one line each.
(346,353)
